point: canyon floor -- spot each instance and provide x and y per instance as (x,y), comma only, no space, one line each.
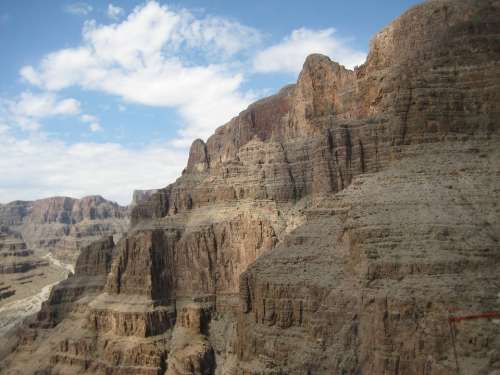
(31,289)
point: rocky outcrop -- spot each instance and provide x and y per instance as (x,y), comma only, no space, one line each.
(198,157)
(140,196)
(91,270)
(13,213)
(15,257)
(191,352)
(338,227)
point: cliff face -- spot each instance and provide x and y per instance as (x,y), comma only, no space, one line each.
(139,196)
(89,279)
(333,228)
(63,225)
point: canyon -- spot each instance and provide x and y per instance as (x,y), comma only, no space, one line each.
(344,225)
(39,243)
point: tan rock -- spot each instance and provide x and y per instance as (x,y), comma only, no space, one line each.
(330,229)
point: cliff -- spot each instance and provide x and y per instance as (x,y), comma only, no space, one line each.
(62,225)
(140,196)
(334,228)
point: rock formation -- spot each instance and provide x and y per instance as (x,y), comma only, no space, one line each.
(334,228)
(39,243)
(140,196)
(62,225)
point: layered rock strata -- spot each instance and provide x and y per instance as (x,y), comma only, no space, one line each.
(62,225)
(39,243)
(140,196)
(15,257)
(91,270)
(334,228)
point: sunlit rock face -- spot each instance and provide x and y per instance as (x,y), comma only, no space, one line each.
(333,228)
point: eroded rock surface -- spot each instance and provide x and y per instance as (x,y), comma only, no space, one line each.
(333,228)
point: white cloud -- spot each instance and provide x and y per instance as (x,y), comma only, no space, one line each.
(42,105)
(28,109)
(226,36)
(4,128)
(36,167)
(114,12)
(67,107)
(88,118)
(140,60)
(26,123)
(30,75)
(290,54)
(94,124)
(95,127)
(79,8)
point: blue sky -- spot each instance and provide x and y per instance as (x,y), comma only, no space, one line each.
(104,97)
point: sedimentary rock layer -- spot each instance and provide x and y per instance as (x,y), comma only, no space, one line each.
(62,225)
(334,228)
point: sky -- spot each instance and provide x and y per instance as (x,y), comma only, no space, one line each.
(104,97)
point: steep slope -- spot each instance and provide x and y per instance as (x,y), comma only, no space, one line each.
(333,228)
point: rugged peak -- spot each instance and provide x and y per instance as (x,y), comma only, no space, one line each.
(315,60)
(317,94)
(198,157)
(93,198)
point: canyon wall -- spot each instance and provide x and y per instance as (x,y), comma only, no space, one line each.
(39,244)
(62,225)
(337,227)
